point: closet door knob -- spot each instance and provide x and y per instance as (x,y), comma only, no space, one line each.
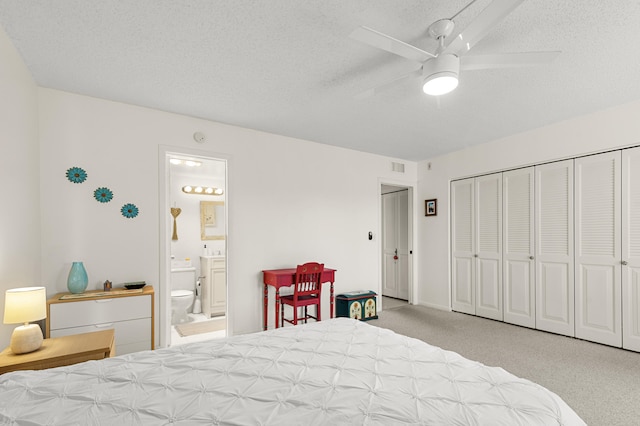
(624,262)
(530,257)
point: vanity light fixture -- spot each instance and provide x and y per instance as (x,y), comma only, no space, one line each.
(202,190)
(188,163)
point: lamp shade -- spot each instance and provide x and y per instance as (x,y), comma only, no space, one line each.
(22,305)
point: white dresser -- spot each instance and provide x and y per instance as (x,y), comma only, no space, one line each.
(214,285)
(129,312)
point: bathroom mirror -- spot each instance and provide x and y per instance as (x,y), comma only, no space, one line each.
(212,220)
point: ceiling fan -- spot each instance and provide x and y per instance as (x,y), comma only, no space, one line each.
(440,69)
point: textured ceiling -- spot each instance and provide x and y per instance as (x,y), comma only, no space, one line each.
(289,67)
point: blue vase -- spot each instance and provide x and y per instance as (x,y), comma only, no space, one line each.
(77,280)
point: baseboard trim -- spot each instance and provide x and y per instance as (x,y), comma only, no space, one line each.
(434,306)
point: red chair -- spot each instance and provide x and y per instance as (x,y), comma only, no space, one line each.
(306,292)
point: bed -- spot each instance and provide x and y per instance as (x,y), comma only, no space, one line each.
(335,372)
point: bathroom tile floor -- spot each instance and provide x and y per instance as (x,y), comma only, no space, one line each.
(176,339)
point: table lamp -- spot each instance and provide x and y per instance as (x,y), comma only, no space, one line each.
(23,305)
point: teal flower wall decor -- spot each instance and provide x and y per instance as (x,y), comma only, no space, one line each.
(76,175)
(103,195)
(129,211)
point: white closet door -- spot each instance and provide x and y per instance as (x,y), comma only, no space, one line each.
(598,248)
(554,247)
(462,245)
(488,236)
(631,249)
(518,247)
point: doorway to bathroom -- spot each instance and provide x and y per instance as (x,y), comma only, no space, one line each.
(193,296)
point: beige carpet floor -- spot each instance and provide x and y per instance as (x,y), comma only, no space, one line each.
(601,383)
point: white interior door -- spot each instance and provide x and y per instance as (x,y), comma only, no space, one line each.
(395,243)
(598,248)
(389,231)
(518,247)
(462,247)
(488,237)
(554,247)
(631,249)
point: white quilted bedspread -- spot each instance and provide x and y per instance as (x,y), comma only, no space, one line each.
(336,372)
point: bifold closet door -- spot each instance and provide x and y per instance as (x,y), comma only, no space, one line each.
(631,249)
(554,259)
(518,247)
(462,247)
(488,238)
(598,248)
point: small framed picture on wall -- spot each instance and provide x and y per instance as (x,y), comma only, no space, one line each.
(431,207)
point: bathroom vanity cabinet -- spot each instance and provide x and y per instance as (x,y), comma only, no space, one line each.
(214,285)
(129,312)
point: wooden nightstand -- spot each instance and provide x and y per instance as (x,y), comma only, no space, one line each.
(61,351)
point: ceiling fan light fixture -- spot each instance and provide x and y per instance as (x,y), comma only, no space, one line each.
(440,83)
(441,74)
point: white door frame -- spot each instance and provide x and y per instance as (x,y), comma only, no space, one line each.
(411,237)
(163,295)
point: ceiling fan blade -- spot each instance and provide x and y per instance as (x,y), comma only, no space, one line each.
(481,25)
(374,90)
(390,44)
(506,60)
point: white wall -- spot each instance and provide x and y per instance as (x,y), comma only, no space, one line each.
(279,189)
(609,129)
(19,184)
(289,201)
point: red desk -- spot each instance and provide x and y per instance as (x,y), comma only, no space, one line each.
(285,278)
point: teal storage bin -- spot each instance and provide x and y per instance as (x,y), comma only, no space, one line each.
(360,305)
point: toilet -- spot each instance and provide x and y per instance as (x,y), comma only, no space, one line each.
(183,284)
